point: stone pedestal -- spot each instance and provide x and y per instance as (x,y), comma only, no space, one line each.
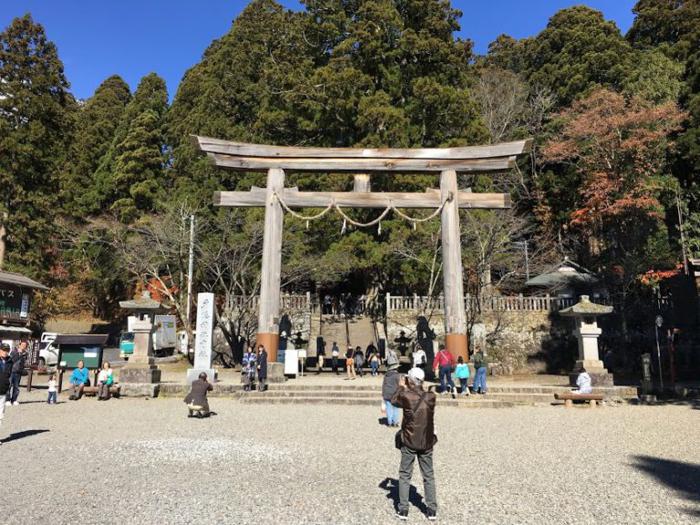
(275,372)
(141,376)
(193,374)
(599,375)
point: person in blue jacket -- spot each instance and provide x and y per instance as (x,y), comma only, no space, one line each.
(79,379)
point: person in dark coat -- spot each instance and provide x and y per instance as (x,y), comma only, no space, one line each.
(359,358)
(417,439)
(390,385)
(262,368)
(5,371)
(196,400)
(19,362)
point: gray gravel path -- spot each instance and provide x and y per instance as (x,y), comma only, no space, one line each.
(143,461)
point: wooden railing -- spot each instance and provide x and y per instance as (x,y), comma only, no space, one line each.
(498,303)
(493,303)
(287,302)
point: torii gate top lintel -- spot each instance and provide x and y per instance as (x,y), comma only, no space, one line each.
(256,157)
(446,202)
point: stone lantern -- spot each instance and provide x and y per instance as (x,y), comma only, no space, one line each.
(141,376)
(584,313)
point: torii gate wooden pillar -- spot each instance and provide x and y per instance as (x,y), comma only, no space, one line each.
(278,159)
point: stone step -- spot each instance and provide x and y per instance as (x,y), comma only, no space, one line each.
(357,389)
(492,389)
(262,398)
(375,394)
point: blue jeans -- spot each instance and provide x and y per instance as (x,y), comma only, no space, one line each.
(392,413)
(446,378)
(375,367)
(480,380)
(463,384)
(14,386)
(52,397)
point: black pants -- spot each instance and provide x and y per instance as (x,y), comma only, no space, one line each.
(14,386)
(334,361)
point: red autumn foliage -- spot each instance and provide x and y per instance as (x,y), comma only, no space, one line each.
(653,277)
(618,145)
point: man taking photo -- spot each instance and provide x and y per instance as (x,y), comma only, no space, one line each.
(416,440)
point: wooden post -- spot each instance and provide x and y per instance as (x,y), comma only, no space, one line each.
(455,316)
(270,281)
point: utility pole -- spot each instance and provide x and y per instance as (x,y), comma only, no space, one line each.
(190,271)
(523,245)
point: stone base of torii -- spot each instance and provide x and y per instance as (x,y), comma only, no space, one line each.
(275,198)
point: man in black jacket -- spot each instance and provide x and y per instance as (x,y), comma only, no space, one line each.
(19,362)
(5,371)
(417,440)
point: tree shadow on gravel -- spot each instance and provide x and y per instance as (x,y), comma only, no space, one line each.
(25,433)
(391,485)
(681,477)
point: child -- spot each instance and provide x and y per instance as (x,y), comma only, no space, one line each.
(53,390)
(462,373)
(248,365)
(374,363)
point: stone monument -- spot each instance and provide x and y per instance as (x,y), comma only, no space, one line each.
(141,376)
(584,313)
(203,340)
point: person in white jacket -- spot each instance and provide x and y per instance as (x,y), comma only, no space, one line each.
(419,358)
(583,382)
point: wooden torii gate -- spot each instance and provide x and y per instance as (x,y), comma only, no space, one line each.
(275,198)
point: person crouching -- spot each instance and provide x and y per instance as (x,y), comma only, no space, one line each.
(196,400)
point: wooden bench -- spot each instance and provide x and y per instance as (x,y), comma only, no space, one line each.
(92,390)
(570,397)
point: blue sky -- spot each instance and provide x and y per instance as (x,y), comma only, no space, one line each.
(98,38)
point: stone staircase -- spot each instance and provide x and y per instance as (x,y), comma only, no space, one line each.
(358,394)
(356,331)
(361,332)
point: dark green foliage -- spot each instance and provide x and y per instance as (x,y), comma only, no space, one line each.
(131,174)
(671,22)
(96,124)
(673,27)
(578,50)
(35,127)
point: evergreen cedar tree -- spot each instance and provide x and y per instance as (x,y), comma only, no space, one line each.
(36,124)
(365,73)
(95,127)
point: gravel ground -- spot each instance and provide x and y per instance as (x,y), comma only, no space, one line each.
(142,461)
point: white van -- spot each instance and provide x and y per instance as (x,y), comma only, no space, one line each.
(48,353)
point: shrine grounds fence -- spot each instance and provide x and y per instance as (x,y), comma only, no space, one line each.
(485,303)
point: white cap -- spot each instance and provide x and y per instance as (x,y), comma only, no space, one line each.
(416,374)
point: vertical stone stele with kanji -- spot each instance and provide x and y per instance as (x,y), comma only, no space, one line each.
(203,339)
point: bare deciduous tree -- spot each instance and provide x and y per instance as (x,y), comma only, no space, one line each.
(502,97)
